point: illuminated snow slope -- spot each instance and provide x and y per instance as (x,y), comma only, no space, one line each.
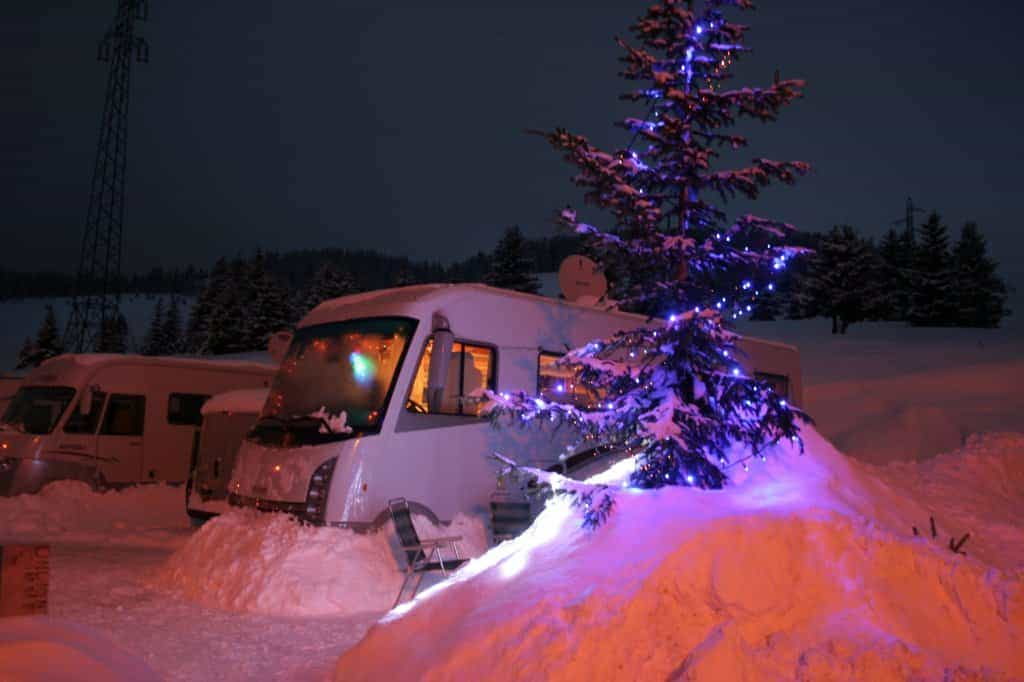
(805,570)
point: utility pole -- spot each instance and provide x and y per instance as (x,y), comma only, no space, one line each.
(908,221)
(97,295)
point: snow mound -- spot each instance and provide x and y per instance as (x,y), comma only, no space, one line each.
(40,649)
(71,511)
(270,564)
(804,569)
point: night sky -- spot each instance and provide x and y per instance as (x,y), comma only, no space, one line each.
(401,127)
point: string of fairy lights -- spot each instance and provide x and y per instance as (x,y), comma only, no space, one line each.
(747,293)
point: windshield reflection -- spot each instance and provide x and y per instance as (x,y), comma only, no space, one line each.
(37,409)
(334,381)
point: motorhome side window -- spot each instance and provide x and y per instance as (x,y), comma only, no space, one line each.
(778,382)
(86,423)
(560,385)
(184,408)
(125,415)
(469,373)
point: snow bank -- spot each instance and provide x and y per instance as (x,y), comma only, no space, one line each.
(915,415)
(70,511)
(806,568)
(43,649)
(270,564)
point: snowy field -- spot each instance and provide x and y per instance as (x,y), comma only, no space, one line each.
(805,569)
(22,317)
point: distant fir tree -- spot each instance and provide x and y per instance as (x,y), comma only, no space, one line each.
(48,343)
(671,392)
(843,280)
(510,266)
(26,356)
(198,331)
(172,329)
(114,336)
(980,293)
(328,282)
(933,288)
(897,252)
(154,342)
(228,327)
(404,276)
(266,309)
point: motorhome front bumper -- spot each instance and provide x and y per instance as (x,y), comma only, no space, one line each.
(19,476)
(310,511)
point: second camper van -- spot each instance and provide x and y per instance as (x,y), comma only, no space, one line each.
(227,418)
(112,419)
(379,396)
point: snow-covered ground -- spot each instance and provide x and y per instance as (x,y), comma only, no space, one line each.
(807,567)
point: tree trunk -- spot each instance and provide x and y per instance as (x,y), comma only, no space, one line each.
(835,324)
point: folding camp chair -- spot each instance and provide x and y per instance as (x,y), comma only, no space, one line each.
(420,554)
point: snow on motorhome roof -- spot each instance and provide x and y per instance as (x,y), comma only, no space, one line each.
(244,400)
(207,362)
(421,293)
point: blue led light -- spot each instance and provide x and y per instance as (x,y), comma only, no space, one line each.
(363,368)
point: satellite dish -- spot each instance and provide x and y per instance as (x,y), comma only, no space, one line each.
(578,276)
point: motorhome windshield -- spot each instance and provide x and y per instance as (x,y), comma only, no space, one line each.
(334,381)
(37,409)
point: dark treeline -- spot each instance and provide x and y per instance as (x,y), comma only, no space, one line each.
(369,269)
(921,277)
(239,303)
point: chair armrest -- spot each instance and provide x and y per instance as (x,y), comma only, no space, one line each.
(430,542)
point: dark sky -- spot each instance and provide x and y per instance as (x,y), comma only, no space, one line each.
(345,124)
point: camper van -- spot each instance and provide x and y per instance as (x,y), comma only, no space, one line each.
(112,419)
(227,417)
(379,396)
(8,387)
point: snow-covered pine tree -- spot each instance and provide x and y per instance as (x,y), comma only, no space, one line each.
(153,343)
(48,343)
(510,267)
(114,336)
(933,295)
(171,330)
(268,309)
(897,255)
(673,392)
(228,327)
(198,331)
(980,293)
(843,281)
(27,353)
(328,282)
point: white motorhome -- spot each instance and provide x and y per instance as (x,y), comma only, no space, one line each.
(378,397)
(227,418)
(8,387)
(112,419)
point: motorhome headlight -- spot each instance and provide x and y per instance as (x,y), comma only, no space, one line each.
(319,486)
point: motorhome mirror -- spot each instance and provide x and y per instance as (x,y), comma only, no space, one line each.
(85,402)
(277,345)
(440,358)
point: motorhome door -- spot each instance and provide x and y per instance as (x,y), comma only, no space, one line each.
(120,442)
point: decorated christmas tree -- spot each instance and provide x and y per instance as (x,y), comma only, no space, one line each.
(674,392)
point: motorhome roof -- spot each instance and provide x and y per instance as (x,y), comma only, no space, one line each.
(73,367)
(429,297)
(423,299)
